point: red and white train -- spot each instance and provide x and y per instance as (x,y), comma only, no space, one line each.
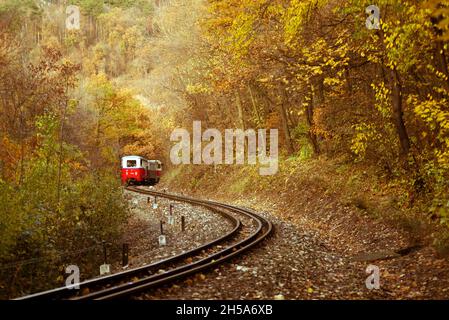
(138,170)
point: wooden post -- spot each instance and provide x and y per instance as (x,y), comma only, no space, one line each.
(105,253)
(162,227)
(125,254)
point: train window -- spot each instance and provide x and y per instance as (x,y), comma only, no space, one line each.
(131,163)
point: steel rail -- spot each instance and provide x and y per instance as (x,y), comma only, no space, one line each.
(65,292)
(264,229)
(148,278)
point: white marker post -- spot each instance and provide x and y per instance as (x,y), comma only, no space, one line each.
(155,206)
(162,238)
(105,268)
(171,218)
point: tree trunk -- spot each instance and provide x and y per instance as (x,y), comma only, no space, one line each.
(440,56)
(240,110)
(398,113)
(441,62)
(319,94)
(255,108)
(310,121)
(348,80)
(22,146)
(285,127)
(61,146)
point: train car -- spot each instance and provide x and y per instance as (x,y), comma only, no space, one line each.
(140,171)
(154,171)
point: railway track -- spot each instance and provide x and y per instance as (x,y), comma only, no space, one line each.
(241,238)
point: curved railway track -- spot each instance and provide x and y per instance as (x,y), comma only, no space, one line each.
(241,238)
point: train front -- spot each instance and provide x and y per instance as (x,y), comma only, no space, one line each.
(133,171)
